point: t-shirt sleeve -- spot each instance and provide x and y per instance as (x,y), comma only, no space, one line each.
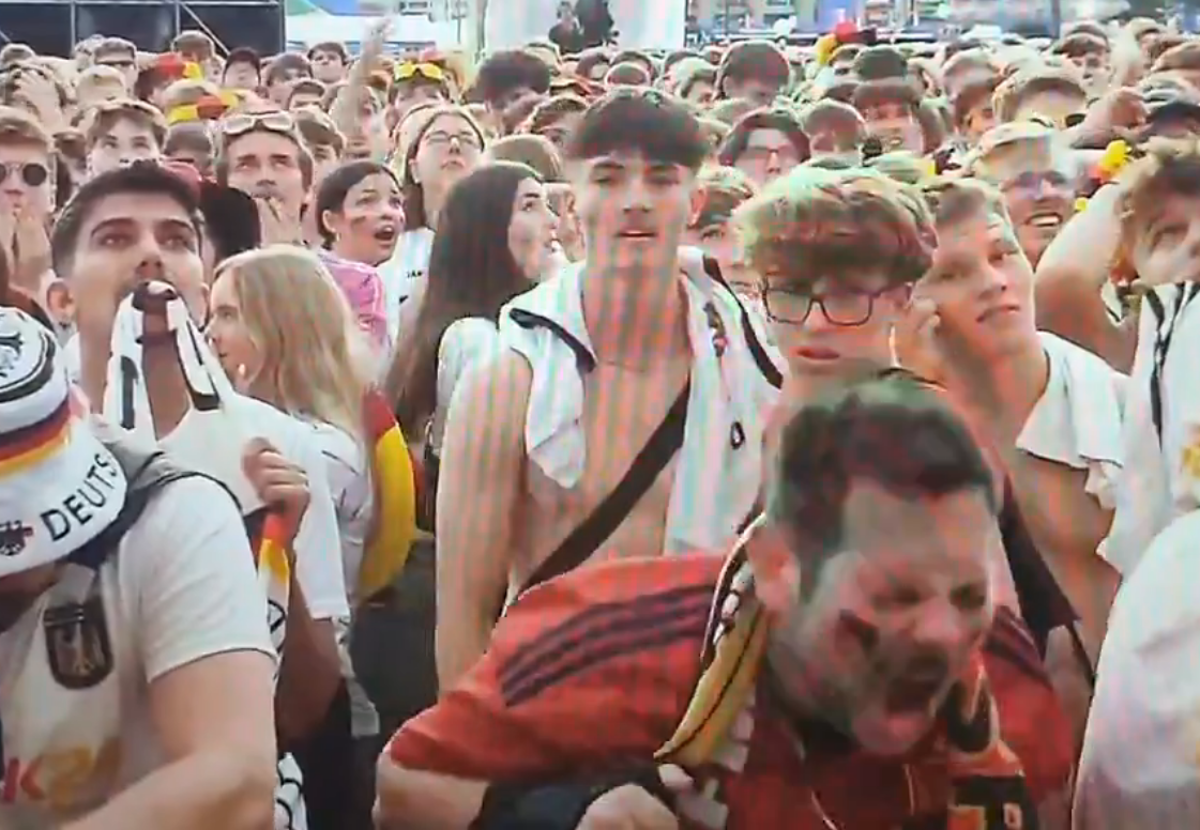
(565,686)
(188,568)
(318,542)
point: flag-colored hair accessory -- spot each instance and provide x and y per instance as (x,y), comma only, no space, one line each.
(824,48)
(207,108)
(1116,156)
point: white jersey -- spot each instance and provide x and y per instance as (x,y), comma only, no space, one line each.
(74,689)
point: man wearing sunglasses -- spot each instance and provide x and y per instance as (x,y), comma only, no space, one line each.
(262,154)
(26,198)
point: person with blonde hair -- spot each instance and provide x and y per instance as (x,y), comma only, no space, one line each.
(285,334)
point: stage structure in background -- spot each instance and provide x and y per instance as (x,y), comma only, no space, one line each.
(52,27)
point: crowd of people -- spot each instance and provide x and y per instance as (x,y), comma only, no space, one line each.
(756,436)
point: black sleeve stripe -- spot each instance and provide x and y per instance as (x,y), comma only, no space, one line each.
(597,654)
(593,621)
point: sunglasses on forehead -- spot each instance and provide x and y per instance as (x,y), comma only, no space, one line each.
(31,173)
(240,123)
(411,69)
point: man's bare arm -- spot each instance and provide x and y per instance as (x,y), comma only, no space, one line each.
(482,470)
(411,800)
(214,719)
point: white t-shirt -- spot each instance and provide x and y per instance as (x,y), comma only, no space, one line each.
(464,343)
(348,473)
(318,544)
(404,273)
(181,587)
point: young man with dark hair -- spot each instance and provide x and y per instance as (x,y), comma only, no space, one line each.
(754,70)
(506,77)
(607,353)
(281,72)
(243,70)
(142,224)
(121,132)
(330,61)
(850,638)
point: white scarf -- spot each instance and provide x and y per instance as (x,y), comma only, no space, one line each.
(210,438)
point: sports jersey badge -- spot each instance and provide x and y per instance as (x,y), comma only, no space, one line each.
(78,649)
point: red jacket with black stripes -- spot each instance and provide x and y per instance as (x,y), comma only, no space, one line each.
(593,670)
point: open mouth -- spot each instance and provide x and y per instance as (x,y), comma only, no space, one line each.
(386,234)
(637,234)
(915,689)
(1046,221)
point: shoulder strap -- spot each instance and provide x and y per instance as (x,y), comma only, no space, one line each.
(1164,331)
(765,365)
(147,472)
(595,530)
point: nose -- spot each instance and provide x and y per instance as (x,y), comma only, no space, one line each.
(635,196)
(150,261)
(940,627)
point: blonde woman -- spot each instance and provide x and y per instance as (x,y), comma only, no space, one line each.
(285,334)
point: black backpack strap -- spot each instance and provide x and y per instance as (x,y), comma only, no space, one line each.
(769,370)
(595,530)
(146,473)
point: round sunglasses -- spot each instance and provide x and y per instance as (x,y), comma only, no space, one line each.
(32,173)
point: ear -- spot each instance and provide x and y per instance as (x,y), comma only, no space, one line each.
(60,302)
(776,569)
(331,221)
(697,204)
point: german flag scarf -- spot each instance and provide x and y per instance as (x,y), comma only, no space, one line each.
(394,520)
(988,789)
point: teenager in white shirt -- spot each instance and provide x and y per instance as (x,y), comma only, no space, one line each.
(139,224)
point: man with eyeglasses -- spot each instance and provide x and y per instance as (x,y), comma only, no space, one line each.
(261,153)
(848,281)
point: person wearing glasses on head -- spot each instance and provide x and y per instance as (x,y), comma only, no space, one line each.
(262,154)
(415,82)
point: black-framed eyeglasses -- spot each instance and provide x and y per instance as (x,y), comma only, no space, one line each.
(841,308)
(32,173)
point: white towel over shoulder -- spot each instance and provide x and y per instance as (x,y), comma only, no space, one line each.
(716,483)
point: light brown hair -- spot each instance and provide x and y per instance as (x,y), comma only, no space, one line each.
(103,117)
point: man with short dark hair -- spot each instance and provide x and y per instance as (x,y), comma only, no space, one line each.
(842,651)
(243,70)
(505,78)
(604,354)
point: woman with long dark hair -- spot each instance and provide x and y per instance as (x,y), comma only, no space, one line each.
(494,239)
